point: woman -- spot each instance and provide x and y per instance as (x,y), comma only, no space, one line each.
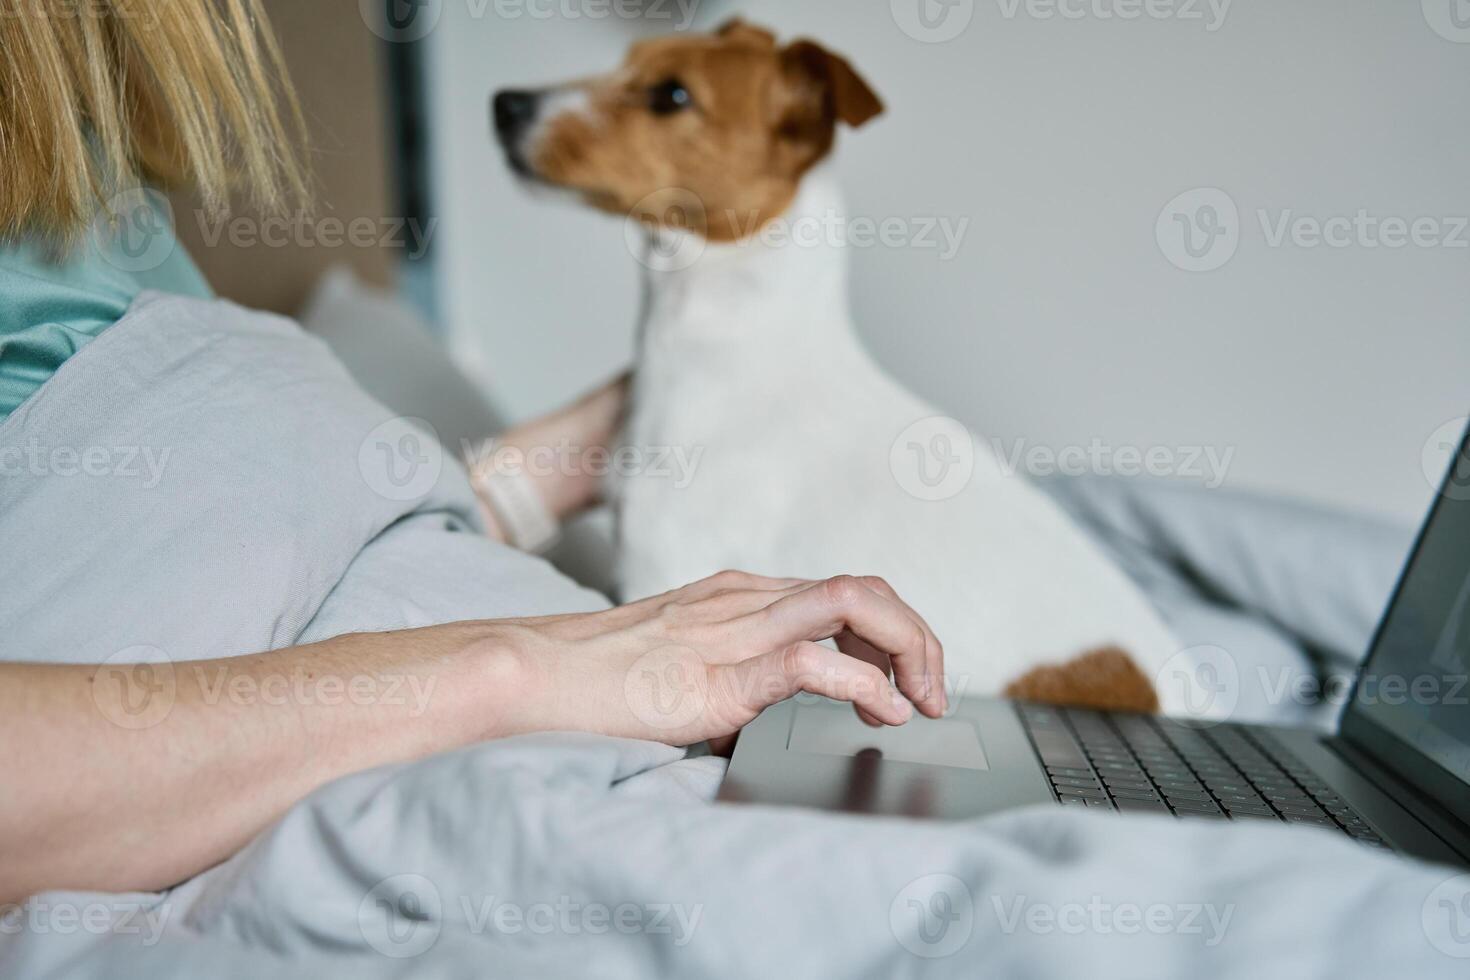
(247,567)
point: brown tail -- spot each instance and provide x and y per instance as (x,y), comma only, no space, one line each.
(1106,678)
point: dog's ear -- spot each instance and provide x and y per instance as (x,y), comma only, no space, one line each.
(736,29)
(828,78)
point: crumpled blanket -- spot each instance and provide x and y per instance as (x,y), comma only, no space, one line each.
(570,855)
(1289,592)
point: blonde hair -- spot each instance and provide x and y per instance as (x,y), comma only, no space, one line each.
(98,96)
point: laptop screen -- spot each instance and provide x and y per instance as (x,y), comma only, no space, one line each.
(1416,682)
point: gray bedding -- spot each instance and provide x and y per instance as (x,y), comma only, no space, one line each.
(1291,592)
(558,855)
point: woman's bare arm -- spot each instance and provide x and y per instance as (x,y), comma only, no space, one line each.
(554,451)
(134,777)
(137,776)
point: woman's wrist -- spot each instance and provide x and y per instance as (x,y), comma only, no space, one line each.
(505,682)
(565,455)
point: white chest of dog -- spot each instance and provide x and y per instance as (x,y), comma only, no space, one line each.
(751,369)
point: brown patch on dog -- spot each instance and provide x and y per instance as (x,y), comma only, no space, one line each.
(1106,678)
(725,163)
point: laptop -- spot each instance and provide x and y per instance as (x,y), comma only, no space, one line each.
(1396,776)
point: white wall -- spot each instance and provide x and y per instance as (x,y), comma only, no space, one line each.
(1060,321)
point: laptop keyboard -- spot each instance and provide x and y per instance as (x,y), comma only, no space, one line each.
(1146,764)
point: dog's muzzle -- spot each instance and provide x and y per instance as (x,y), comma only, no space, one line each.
(514,111)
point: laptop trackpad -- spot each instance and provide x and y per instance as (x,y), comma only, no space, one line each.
(935,742)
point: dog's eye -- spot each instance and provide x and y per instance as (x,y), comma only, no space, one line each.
(669,96)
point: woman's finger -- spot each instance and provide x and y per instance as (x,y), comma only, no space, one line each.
(731,605)
(724,610)
(733,580)
(756,588)
(828,608)
(856,646)
(932,699)
(933,649)
(806,666)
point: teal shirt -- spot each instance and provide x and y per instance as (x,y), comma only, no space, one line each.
(51,308)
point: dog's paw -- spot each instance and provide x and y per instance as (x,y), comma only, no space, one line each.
(1106,678)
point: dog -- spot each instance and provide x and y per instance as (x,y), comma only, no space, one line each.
(748,354)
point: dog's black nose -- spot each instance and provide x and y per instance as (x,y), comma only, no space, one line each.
(513,109)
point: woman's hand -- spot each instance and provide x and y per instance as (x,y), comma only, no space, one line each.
(557,452)
(702,661)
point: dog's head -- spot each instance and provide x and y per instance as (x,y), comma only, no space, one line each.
(731,118)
